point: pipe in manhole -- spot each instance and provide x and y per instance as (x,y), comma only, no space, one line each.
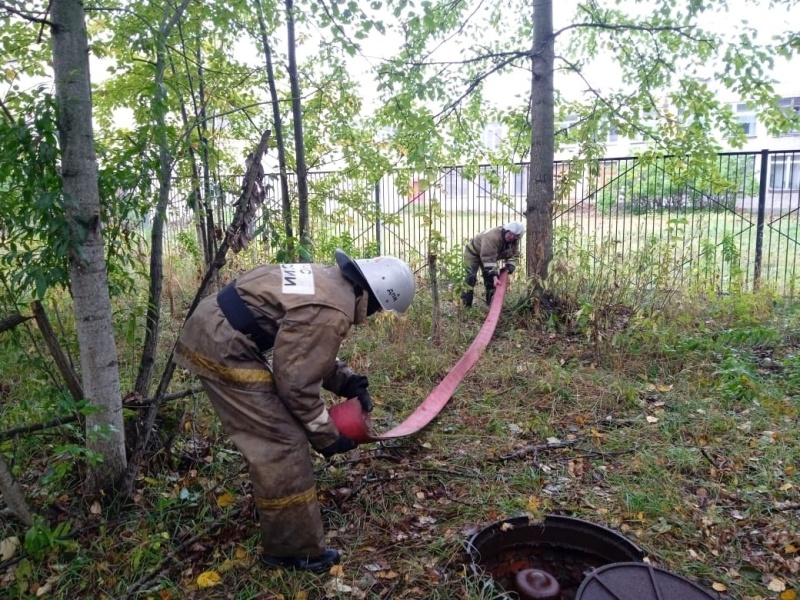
(566,548)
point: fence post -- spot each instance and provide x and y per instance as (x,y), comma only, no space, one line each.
(762,206)
(378,216)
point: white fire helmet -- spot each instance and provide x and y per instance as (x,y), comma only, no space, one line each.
(391,281)
(515,227)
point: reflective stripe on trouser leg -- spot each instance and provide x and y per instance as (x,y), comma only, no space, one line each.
(276,446)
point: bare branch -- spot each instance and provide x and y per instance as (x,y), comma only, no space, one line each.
(25,15)
(475,83)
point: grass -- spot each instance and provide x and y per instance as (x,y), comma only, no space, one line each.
(684,430)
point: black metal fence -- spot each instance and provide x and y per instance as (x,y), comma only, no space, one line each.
(735,227)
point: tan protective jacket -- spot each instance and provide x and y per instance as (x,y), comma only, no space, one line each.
(309,309)
(491,247)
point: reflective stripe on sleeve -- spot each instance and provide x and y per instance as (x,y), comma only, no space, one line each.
(320,421)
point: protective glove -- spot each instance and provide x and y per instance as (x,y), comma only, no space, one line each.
(490,274)
(356,387)
(366,401)
(353,386)
(341,445)
(510,268)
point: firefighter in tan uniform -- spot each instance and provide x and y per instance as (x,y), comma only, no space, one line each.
(485,251)
(302,312)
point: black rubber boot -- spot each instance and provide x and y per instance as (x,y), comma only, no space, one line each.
(315,564)
(466,299)
(489,296)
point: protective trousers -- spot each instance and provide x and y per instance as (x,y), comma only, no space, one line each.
(276,446)
(472,263)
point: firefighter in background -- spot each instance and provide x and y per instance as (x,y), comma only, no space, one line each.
(485,251)
(302,313)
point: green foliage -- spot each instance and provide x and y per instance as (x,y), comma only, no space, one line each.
(653,184)
(40,539)
(32,215)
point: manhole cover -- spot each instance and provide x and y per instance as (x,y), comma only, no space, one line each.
(638,581)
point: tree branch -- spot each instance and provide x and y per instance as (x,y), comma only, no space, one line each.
(25,15)
(6,112)
(65,419)
(475,82)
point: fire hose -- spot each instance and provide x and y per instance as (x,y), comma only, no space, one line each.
(355,423)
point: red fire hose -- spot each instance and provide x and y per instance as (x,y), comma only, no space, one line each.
(353,422)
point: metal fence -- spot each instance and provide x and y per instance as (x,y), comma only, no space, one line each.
(735,228)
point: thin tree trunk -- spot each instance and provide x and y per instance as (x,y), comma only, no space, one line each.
(62,362)
(219,260)
(299,144)
(159,107)
(540,179)
(198,206)
(88,277)
(202,130)
(13,494)
(286,206)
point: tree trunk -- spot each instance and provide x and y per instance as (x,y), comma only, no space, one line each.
(286,207)
(159,107)
(539,240)
(13,494)
(299,145)
(88,277)
(198,203)
(202,130)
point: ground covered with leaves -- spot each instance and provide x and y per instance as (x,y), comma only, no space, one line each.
(677,428)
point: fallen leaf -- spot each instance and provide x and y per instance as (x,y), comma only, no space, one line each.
(776,585)
(95,508)
(788,595)
(652,419)
(720,587)
(208,579)
(240,553)
(45,589)
(388,575)
(337,570)
(225,500)
(8,547)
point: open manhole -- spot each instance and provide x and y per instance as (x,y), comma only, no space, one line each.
(569,549)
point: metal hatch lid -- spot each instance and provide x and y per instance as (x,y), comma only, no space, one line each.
(638,581)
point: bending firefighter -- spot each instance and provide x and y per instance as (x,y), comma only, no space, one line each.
(302,312)
(485,251)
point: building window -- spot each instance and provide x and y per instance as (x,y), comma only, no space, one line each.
(613,134)
(785,175)
(793,105)
(748,125)
(790,104)
(493,136)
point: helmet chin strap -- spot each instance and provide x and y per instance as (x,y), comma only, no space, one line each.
(353,274)
(373,305)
